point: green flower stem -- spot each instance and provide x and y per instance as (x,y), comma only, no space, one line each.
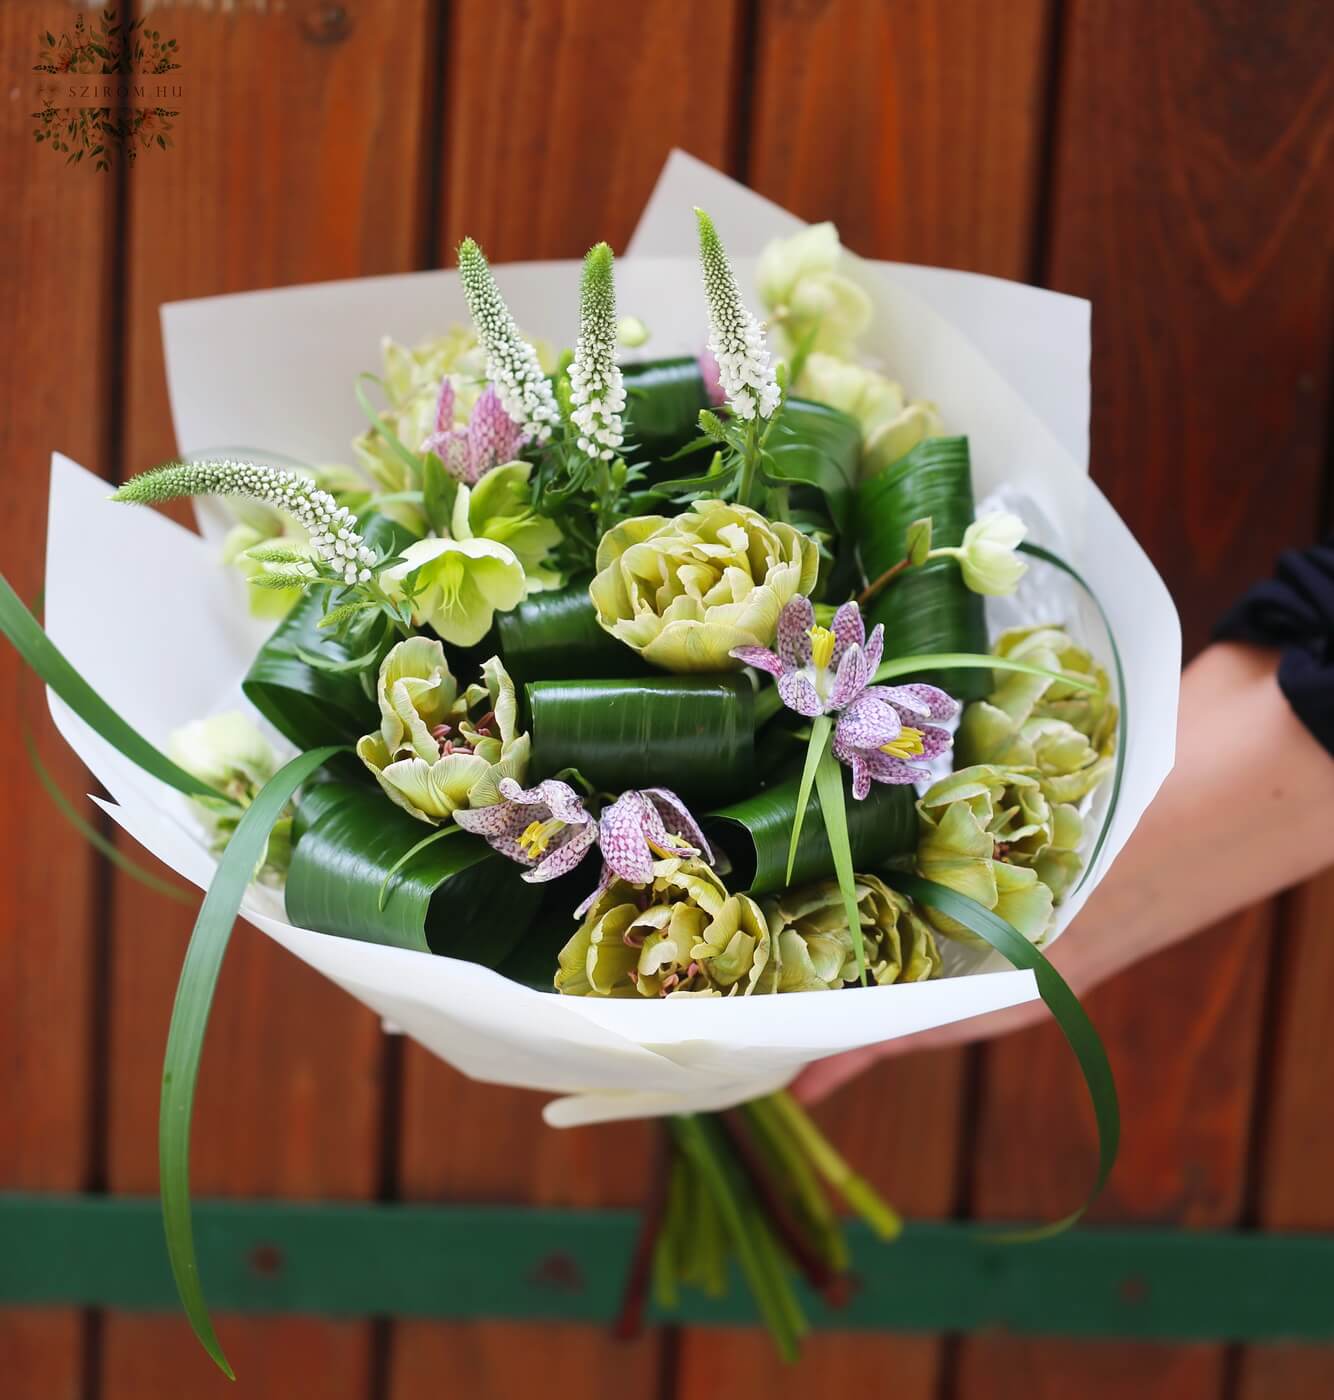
(833,808)
(795,1168)
(750,460)
(883,581)
(821,728)
(695,1135)
(855,1189)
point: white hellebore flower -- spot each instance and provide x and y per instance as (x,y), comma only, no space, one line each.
(799,283)
(987,556)
(457,586)
(225,751)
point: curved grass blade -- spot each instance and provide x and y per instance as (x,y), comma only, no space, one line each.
(1123,702)
(829,786)
(189,1019)
(383,430)
(1075,1025)
(94,838)
(821,726)
(383,897)
(971,661)
(42,654)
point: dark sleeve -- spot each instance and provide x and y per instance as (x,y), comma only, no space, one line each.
(1294,613)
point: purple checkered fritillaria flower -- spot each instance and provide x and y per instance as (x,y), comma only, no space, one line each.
(549,829)
(546,827)
(489,439)
(828,671)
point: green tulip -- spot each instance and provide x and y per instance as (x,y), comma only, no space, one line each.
(682,934)
(684,591)
(813,949)
(1068,735)
(438,750)
(982,832)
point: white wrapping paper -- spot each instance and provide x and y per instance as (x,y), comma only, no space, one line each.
(164,634)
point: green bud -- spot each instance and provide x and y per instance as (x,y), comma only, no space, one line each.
(918,543)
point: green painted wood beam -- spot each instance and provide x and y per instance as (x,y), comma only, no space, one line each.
(567,1265)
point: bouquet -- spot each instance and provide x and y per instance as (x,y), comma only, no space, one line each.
(604,705)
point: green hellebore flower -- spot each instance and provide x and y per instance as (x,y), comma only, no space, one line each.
(457,586)
(1067,734)
(812,945)
(982,831)
(685,591)
(808,299)
(229,753)
(437,750)
(891,426)
(682,934)
(499,507)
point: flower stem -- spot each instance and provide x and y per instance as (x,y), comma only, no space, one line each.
(883,581)
(773,1292)
(796,1168)
(855,1190)
(630,1319)
(750,459)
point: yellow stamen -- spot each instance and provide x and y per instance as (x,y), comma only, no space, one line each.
(907,745)
(536,836)
(822,646)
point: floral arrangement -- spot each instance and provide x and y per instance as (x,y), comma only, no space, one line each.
(644,682)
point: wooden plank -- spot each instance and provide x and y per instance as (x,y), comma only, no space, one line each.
(1188,206)
(561,115)
(855,105)
(297,158)
(1296,1156)
(562,153)
(55,302)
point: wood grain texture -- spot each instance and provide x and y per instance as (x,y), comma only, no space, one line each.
(916,125)
(564,151)
(55,306)
(1296,1142)
(1189,205)
(855,105)
(560,155)
(297,158)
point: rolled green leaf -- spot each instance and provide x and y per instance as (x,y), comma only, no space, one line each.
(310,704)
(814,445)
(555,636)
(693,734)
(456,897)
(927,609)
(662,403)
(756,830)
